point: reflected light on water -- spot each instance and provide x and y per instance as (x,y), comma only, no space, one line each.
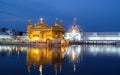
(40,69)
(74,52)
(39,57)
(73,56)
(106,50)
(43,56)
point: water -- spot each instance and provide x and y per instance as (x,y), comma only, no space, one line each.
(72,60)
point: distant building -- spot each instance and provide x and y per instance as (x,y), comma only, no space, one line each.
(74,33)
(101,36)
(3,37)
(5,34)
(42,33)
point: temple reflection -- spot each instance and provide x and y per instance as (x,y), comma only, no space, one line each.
(75,54)
(41,56)
(102,50)
(12,50)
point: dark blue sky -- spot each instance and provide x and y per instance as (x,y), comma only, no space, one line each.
(92,15)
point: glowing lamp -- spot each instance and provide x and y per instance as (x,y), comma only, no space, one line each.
(36,38)
(73,31)
(41,19)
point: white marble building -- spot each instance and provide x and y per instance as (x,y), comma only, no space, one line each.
(75,34)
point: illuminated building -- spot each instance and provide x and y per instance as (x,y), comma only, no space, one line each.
(102,36)
(74,33)
(42,33)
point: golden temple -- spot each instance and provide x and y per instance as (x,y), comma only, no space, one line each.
(42,33)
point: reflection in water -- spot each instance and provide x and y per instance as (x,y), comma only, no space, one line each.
(11,50)
(103,50)
(75,54)
(42,56)
(39,57)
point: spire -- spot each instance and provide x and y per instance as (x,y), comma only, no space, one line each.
(41,20)
(74,22)
(56,23)
(75,19)
(29,22)
(56,20)
(61,24)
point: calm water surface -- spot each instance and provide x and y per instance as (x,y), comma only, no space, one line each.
(72,60)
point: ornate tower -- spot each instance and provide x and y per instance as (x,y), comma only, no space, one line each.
(56,23)
(29,24)
(74,34)
(61,24)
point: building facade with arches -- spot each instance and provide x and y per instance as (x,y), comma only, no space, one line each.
(41,32)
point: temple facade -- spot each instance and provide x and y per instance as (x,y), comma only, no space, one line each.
(41,32)
(74,33)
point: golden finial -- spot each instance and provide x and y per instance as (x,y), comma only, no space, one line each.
(56,19)
(41,20)
(75,19)
(29,20)
(56,23)
(61,22)
(74,22)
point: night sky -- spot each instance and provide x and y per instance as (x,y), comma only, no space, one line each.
(92,15)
